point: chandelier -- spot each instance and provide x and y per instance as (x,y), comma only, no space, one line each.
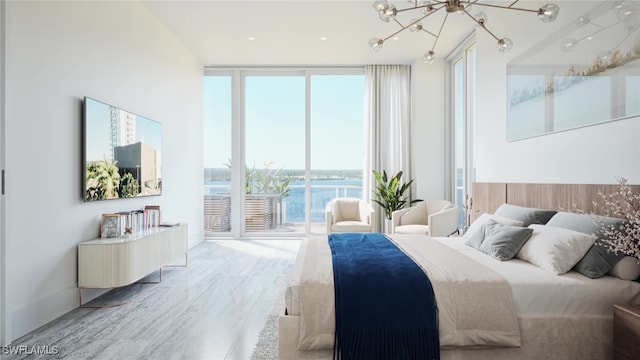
(388,12)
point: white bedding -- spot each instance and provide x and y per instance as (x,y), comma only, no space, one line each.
(475,304)
(536,292)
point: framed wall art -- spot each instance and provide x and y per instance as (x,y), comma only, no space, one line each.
(584,74)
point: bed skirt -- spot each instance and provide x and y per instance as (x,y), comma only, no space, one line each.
(542,338)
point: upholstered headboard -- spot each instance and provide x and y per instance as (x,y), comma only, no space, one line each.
(487,197)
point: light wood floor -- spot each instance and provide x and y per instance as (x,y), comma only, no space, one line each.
(212,309)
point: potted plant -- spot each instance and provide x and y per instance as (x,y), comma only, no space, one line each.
(390,193)
(265,190)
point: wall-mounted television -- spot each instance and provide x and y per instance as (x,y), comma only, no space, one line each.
(121,153)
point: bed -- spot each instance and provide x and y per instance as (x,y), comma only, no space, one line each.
(547,315)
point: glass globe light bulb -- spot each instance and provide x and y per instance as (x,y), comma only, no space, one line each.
(568,44)
(375,44)
(583,20)
(428,7)
(505,45)
(429,57)
(389,13)
(380,5)
(416,27)
(482,19)
(548,13)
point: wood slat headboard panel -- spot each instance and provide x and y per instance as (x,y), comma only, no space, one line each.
(487,197)
(544,196)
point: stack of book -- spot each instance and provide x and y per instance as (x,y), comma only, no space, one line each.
(124,223)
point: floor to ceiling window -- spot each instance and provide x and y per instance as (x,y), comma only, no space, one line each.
(280,144)
(336,141)
(274,148)
(463,75)
(217,153)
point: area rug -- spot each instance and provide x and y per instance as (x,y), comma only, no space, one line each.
(267,346)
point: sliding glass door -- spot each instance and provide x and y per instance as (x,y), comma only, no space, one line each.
(274,143)
(336,142)
(279,145)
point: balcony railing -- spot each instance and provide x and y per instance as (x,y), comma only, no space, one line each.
(266,212)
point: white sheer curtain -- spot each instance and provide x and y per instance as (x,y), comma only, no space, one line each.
(388,116)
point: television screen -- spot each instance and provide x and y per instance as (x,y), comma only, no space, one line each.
(122,157)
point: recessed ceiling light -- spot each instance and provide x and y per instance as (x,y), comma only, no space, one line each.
(251,38)
(323,38)
(396,37)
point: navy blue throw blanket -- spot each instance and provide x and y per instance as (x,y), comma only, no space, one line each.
(385,306)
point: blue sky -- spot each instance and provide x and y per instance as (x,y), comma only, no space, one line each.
(275,121)
(97,131)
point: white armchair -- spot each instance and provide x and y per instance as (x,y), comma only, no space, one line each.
(349,215)
(432,218)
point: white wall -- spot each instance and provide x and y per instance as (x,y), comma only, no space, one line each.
(57,53)
(594,154)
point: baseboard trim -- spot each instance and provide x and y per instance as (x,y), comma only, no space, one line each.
(35,314)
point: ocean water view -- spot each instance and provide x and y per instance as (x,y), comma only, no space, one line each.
(322,191)
(325,186)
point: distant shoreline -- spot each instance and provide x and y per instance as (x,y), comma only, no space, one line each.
(224,174)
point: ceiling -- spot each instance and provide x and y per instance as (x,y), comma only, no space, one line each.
(290,32)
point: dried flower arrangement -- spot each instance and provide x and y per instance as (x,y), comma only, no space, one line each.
(623,204)
(467,205)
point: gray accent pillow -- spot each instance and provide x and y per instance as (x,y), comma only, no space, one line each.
(598,260)
(525,214)
(500,241)
(476,237)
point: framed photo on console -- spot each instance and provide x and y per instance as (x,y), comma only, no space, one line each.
(152,215)
(110,226)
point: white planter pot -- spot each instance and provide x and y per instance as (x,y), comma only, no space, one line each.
(386,226)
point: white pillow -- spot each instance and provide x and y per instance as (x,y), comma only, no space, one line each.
(555,249)
(627,268)
(477,225)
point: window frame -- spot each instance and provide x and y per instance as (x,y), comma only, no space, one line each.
(466,52)
(238,76)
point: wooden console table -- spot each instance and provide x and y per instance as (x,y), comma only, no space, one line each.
(116,262)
